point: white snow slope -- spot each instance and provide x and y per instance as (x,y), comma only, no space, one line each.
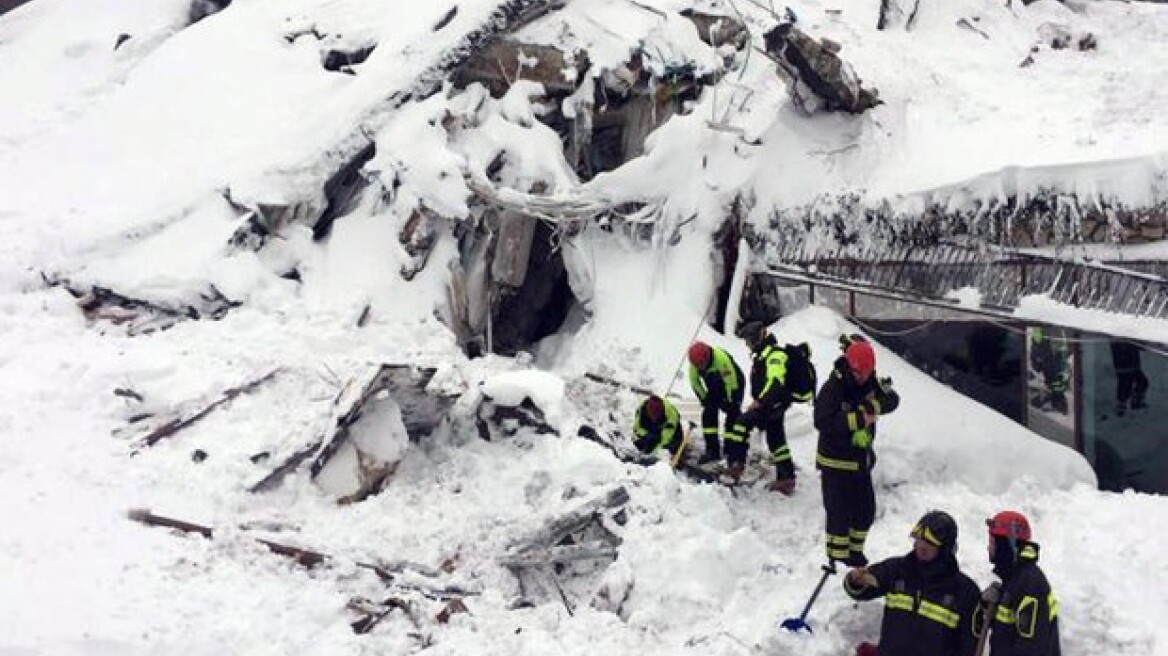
(112,165)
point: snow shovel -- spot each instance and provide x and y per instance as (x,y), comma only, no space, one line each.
(795,624)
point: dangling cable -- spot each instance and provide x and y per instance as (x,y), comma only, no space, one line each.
(697,329)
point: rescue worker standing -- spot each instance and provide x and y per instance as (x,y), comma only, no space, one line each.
(717,381)
(846,411)
(657,425)
(929,604)
(1024,619)
(772,398)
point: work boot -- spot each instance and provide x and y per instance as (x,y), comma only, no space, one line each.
(856,559)
(713,452)
(783,485)
(1120,408)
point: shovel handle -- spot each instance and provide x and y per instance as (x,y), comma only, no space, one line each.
(794,624)
(982,638)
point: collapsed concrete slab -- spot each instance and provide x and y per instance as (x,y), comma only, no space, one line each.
(817,78)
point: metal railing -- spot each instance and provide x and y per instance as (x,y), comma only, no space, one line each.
(1001,277)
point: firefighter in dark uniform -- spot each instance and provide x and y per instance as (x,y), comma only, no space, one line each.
(929,604)
(846,410)
(657,425)
(772,398)
(1024,615)
(718,383)
(1050,359)
(1131,385)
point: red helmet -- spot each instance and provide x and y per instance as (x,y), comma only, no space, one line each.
(655,408)
(700,354)
(1009,524)
(861,358)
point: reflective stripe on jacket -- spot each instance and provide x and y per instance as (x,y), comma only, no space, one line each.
(768,374)
(928,607)
(838,415)
(1026,620)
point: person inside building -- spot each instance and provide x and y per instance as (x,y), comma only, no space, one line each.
(1024,616)
(778,377)
(657,426)
(1131,385)
(1048,357)
(846,410)
(929,604)
(718,383)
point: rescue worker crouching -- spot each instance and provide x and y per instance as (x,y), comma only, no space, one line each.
(929,604)
(657,425)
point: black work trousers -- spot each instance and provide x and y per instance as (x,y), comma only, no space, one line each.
(850,505)
(772,421)
(1130,385)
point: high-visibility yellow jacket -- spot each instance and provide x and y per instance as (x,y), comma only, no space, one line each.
(720,382)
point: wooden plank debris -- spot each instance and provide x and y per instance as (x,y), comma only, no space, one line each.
(421,410)
(389,573)
(553,533)
(164,426)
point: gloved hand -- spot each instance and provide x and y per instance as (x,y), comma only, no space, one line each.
(866,649)
(862,578)
(992,594)
(861,439)
(885,383)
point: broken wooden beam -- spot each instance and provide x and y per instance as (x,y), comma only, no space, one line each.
(399,380)
(309,558)
(589,433)
(141,316)
(303,557)
(567,553)
(503,62)
(289,465)
(180,420)
(623,385)
(375,612)
(421,411)
(576,519)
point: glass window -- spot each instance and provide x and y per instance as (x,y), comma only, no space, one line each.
(1050,384)
(981,360)
(1123,383)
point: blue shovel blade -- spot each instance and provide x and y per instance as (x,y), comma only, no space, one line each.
(796,624)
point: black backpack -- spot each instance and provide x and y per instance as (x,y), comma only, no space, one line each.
(801,378)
